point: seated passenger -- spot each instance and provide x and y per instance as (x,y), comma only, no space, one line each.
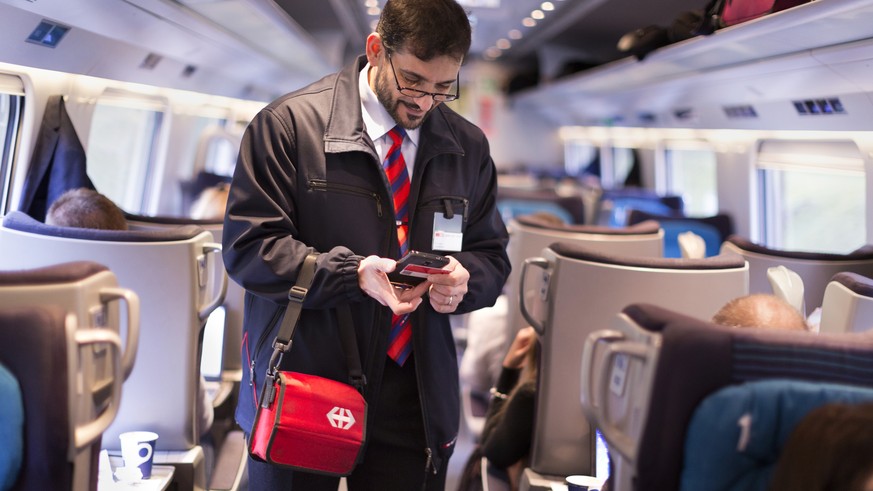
(85,208)
(506,437)
(211,203)
(487,335)
(760,310)
(830,449)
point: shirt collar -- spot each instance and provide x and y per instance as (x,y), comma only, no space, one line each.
(377,121)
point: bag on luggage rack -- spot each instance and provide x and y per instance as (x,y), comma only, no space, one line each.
(307,422)
(727,13)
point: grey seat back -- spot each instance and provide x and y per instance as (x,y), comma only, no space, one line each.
(171,272)
(572,291)
(848,304)
(648,369)
(816,269)
(44,348)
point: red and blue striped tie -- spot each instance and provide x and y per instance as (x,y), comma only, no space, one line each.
(400,339)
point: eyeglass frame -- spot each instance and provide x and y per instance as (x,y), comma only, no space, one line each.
(417,94)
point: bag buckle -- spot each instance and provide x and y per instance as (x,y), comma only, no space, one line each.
(297,293)
(358,382)
(269,393)
(276,359)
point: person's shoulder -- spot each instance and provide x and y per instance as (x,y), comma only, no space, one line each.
(310,94)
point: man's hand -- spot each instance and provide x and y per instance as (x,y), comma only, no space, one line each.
(373,280)
(448,290)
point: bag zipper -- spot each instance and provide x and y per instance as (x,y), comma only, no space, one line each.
(324,186)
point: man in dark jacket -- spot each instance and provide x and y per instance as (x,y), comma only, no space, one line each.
(310,178)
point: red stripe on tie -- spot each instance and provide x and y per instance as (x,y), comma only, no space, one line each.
(400,340)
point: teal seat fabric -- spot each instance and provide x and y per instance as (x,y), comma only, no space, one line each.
(11,429)
(737,433)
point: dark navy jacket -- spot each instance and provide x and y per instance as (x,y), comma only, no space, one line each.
(309,178)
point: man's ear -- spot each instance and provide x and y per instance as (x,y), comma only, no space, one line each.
(374,48)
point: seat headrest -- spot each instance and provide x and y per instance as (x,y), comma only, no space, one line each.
(23,222)
(166,220)
(581,252)
(860,254)
(537,221)
(721,222)
(855,282)
(58,273)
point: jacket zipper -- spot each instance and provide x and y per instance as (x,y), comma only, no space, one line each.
(324,186)
(259,345)
(428,464)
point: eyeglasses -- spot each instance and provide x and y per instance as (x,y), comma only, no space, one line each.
(415,93)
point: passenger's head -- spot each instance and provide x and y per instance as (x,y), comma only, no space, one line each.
(418,45)
(85,208)
(211,203)
(831,448)
(760,310)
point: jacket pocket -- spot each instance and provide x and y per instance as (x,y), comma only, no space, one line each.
(333,187)
(448,205)
(425,234)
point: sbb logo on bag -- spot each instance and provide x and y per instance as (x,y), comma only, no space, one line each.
(341,418)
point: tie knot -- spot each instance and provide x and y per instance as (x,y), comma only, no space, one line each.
(397,134)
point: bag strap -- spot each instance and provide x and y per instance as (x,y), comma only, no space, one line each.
(283,340)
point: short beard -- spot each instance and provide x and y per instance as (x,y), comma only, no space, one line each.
(384,91)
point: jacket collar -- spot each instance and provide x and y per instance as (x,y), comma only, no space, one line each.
(345,127)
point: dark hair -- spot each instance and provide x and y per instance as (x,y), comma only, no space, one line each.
(85,208)
(427,28)
(830,449)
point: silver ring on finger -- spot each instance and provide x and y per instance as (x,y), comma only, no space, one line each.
(451,298)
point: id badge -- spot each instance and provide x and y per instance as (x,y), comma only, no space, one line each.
(447,235)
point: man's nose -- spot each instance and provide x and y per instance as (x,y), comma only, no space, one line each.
(424,101)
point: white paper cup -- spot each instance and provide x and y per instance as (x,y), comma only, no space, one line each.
(582,483)
(138,450)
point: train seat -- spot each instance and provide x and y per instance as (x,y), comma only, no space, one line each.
(816,269)
(616,204)
(90,292)
(736,435)
(171,271)
(632,394)
(42,347)
(11,428)
(219,348)
(528,236)
(848,304)
(514,202)
(572,291)
(221,361)
(713,229)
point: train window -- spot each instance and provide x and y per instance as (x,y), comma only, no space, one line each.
(11,101)
(121,149)
(581,157)
(690,172)
(812,195)
(623,161)
(221,148)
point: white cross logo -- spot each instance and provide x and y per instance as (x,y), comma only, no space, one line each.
(341,418)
